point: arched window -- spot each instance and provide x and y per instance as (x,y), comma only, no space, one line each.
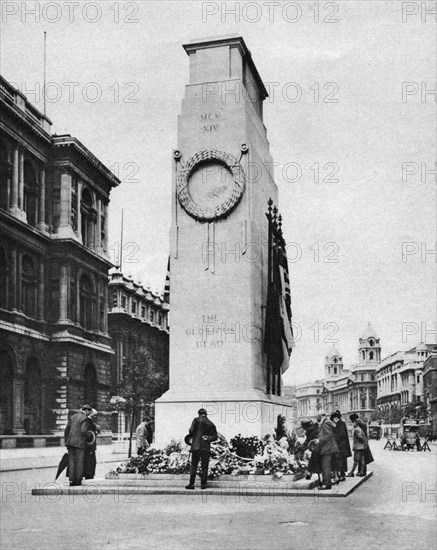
(88,218)
(4,178)
(90,386)
(30,197)
(4,278)
(86,302)
(28,286)
(6,392)
(335,359)
(371,355)
(371,343)
(32,397)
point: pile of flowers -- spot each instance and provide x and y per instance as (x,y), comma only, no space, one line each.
(244,456)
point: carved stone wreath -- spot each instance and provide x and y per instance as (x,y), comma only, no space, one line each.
(203,158)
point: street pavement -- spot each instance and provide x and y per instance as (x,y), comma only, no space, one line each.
(394,509)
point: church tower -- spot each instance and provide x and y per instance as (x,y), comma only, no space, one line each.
(369,350)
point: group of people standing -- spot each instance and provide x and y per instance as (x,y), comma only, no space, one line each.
(328,441)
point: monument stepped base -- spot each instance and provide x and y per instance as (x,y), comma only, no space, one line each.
(238,487)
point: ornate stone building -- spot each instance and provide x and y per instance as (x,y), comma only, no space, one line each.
(400,377)
(309,399)
(430,388)
(349,390)
(137,317)
(55,349)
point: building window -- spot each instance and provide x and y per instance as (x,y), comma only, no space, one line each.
(362,398)
(123,301)
(115,300)
(143,311)
(372,377)
(102,230)
(371,355)
(88,218)
(28,279)
(134,307)
(152,316)
(102,315)
(30,193)
(371,343)
(418,378)
(335,370)
(85,303)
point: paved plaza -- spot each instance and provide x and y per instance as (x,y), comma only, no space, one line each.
(395,508)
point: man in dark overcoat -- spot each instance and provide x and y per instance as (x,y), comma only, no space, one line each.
(327,448)
(344,447)
(75,440)
(203,432)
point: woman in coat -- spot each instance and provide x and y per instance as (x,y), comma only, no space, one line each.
(344,448)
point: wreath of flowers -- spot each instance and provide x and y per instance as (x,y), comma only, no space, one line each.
(267,457)
(204,157)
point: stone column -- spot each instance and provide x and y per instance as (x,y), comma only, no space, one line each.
(8,185)
(41,288)
(42,200)
(79,213)
(21,179)
(105,302)
(13,280)
(105,242)
(98,236)
(63,295)
(18,293)
(18,399)
(14,191)
(65,229)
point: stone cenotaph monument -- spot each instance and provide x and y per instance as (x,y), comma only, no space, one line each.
(222,182)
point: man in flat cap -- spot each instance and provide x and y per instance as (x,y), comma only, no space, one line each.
(75,435)
(202,432)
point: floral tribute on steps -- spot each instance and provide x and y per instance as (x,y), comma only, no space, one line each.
(242,456)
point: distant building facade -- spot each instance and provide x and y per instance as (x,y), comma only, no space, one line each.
(55,349)
(309,399)
(430,388)
(400,377)
(348,390)
(137,317)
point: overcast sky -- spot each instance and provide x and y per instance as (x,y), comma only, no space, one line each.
(359,124)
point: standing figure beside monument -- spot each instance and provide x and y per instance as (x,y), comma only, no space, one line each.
(75,440)
(344,448)
(142,434)
(327,448)
(89,470)
(202,432)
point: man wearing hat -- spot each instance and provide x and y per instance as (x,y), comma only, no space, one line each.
(327,448)
(75,440)
(201,433)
